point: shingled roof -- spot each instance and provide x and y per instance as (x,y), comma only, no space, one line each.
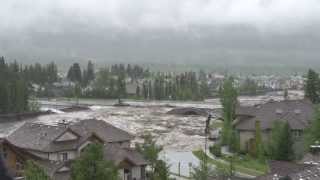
(117,155)
(298,113)
(41,137)
(280,169)
(104,130)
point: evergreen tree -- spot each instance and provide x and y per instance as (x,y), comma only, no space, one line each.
(234,141)
(150,151)
(19,96)
(312,134)
(312,86)
(2,63)
(91,165)
(4,99)
(150,90)
(281,146)
(249,86)
(258,143)
(204,89)
(121,86)
(88,74)
(138,91)
(285,145)
(228,99)
(90,71)
(34,172)
(51,73)
(161,171)
(274,140)
(14,91)
(285,94)
(74,73)
(203,171)
(145,90)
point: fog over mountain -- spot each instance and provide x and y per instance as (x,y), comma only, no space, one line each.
(207,32)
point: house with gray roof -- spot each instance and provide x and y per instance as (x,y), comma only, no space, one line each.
(54,147)
(307,169)
(288,170)
(298,113)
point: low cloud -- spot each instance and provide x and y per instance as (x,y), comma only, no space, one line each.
(49,15)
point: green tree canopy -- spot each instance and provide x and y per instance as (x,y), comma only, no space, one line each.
(228,99)
(312,85)
(281,144)
(258,143)
(312,134)
(92,165)
(203,171)
(161,171)
(74,73)
(14,91)
(249,87)
(88,74)
(150,150)
(34,172)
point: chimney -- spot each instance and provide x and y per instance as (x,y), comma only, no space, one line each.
(63,123)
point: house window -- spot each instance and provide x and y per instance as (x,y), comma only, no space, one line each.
(64,156)
(4,152)
(297,133)
(19,165)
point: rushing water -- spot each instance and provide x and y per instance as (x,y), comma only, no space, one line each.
(177,134)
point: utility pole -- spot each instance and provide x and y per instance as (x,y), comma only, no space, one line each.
(206,141)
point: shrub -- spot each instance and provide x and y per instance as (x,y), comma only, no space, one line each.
(215,150)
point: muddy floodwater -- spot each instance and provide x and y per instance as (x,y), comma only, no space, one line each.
(175,133)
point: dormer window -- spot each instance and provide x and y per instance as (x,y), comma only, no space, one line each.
(4,152)
(67,136)
(64,156)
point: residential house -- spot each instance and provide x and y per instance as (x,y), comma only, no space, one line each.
(298,113)
(54,147)
(313,156)
(288,170)
(12,157)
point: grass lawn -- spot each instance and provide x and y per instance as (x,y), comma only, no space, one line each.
(249,162)
(245,165)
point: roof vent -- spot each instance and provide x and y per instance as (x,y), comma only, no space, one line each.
(279,111)
(63,123)
(297,111)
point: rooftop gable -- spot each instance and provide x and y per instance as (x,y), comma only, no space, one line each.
(44,138)
(67,135)
(298,113)
(119,155)
(106,131)
(35,136)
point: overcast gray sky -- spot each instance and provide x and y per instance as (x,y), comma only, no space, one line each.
(176,14)
(111,30)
